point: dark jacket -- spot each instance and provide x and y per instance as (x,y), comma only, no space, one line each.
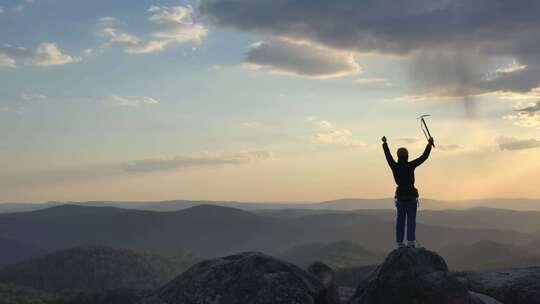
(403,172)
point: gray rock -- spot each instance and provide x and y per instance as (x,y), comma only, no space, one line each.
(246,278)
(327,277)
(479,298)
(345,293)
(412,276)
(511,286)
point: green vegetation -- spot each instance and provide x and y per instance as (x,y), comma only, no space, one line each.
(339,254)
(95,268)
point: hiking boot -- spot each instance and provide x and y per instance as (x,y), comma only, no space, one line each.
(400,245)
(411,244)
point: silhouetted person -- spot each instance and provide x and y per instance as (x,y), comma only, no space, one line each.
(406,197)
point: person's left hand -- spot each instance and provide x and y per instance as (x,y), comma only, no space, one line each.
(431,141)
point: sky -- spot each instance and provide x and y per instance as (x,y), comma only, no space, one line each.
(258,100)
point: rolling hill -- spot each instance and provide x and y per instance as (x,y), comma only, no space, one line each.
(211,231)
(480,254)
(13,251)
(94,268)
(339,254)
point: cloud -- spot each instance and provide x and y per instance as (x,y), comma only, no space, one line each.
(449,147)
(6,61)
(175,24)
(33,97)
(132,101)
(301,58)
(513,96)
(328,134)
(515,66)
(100,171)
(45,54)
(170,25)
(373,81)
(511,143)
(131,43)
(430,96)
(1,10)
(409,140)
(446,43)
(22,5)
(526,117)
(250,124)
(533,109)
(179,162)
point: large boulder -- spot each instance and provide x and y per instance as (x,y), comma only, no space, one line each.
(412,275)
(249,277)
(510,286)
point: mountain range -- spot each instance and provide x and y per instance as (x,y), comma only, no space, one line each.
(347,204)
(73,253)
(209,231)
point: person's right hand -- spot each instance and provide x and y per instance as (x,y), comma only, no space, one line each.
(383,139)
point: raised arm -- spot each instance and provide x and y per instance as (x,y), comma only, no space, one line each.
(420,160)
(387,154)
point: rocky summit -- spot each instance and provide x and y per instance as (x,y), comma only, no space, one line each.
(413,276)
(249,277)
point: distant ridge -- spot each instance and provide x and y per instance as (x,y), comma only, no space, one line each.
(345,204)
(211,231)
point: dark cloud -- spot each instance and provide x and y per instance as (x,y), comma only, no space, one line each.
(511,143)
(391,26)
(302,59)
(152,165)
(531,109)
(450,42)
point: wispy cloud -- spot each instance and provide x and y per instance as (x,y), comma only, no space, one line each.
(22,5)
(449,147)
(250,124)
(99,171)
(169,25)
(526,117)
(132,101)
(328,134)
(512,143)
(179,162)
(373,81)
(409,140)
(44,54)
(430,96)
(33,97)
